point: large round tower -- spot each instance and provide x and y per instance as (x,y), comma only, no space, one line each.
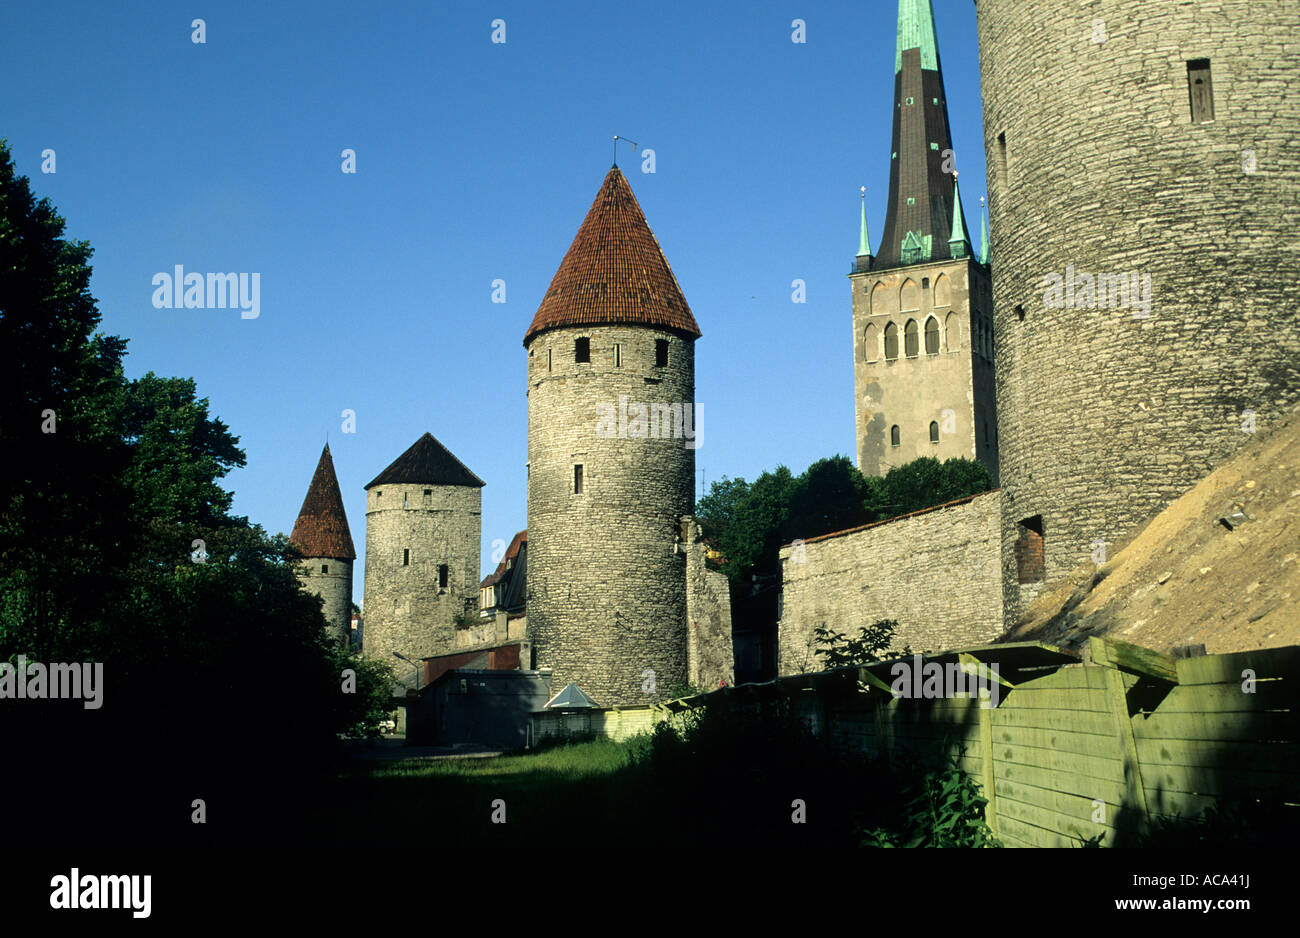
(423,526)
(321,533)
(611,454)
(1145,257)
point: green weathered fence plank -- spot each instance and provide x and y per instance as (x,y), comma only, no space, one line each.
(1224,698)
(1107,765)
(1258,726)
(1274,758)
(1111,789)
(1007,716)
(1070,827)
(1222,669)
(1083,699)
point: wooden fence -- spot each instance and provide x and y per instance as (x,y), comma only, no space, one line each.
(1077,747)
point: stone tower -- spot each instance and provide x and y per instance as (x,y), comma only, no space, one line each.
(922,305)
(423,529)
(321,533)
(611,394)
(1146,261)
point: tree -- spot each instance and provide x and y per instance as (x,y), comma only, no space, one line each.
(827,497)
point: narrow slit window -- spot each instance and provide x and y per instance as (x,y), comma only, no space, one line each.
(894,435)
(1200,91)
(582,350)
(406,556)
(548,359)
(934,432)
(442,576)
(1003,174)
(618,356)
(661,353)
(577,479)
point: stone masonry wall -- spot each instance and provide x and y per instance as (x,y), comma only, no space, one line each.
(334,587)
(405,609)
(1106,414)
(937,572)
(606,588)
(710,653)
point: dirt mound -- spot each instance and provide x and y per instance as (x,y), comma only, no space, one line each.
(1219,567)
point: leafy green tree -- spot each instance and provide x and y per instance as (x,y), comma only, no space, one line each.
(839,650)
(923,483)
(828,497)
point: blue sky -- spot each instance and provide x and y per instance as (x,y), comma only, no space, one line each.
(475,161)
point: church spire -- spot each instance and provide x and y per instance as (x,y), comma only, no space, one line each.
(919,214)
(958,246)
(864,236)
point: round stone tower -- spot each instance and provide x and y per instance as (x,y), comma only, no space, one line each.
(611,453)
(423,526)
(1145,256)
(321,533)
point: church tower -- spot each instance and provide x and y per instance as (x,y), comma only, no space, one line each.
(611,453)
(423,530)
(922,304)
(321,533)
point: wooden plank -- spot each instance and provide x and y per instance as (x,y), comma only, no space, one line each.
(1223,669)
(1254,784)
(1018,833)
(1218,698)
(1073,828)
(986,775)
(1103,768)
(1257,726)
(1100,724)
(1079,678)
(1135,794)
(1110,790)
(1281,758)
(1005,743)
(1116,653)
(1069,698)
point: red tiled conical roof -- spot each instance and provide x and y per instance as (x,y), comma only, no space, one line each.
(614,272)
(322,526)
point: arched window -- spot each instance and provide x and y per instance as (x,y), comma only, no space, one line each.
(911,344)
(932,336)
(879,300)
(942,291)
(870,343)
(909,295)
(951,333)
(893,435)
(934,432)
(891,342)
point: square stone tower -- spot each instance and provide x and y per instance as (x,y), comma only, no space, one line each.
(923,305)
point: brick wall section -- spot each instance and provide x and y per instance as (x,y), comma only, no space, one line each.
(710,653)
(606,589)
(1105,419)
(405,611)
(937,572)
